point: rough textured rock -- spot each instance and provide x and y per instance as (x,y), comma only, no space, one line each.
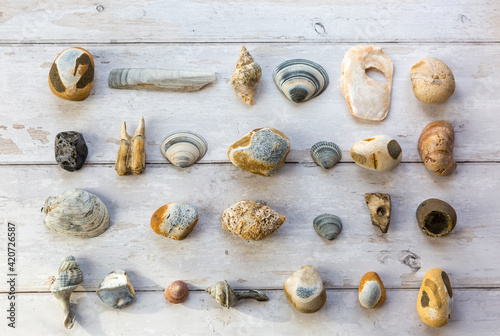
(380,209)
(174,220)
(250,220)
(71,150)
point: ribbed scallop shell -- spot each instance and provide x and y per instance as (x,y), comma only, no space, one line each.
(76,213)
(300,80)
(326,154)
(183,148)
(159,79)
(327,226)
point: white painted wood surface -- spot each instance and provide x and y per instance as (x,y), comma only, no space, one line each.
(202,35)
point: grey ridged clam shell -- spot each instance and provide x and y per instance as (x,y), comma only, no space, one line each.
(70,276)
(326,154)
(76,213)
(159,79)
(183,148)
(116,290)
(300,79)
(327,226)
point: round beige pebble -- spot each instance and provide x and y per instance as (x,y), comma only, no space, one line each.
(432,81)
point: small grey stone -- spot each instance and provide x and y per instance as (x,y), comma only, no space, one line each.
(71,150)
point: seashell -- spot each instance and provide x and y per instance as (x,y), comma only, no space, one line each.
(327,226)
(304,289)
(177,292)
(246,76)
(183,148)
(250,220)
(116,290)
(367,98)
(227,297)
(72,74)
(300,80)
(435,147)
(159,79)
(71,150)
(174,220)
(69,278)
(436,218)
(435,298)
(432,81)
(380,209)
(371,293)
(262,151)
(76,213)
(380,153)
(131,154)
(326,154)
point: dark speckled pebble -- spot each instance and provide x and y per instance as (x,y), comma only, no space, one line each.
(71,150)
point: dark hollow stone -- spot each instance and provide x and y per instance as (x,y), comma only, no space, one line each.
(71,150)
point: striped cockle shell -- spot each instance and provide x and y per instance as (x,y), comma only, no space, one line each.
(76,213)
(300,80)
(174,220)
(326,154)
(184,148)
(116,290)
(70,276)
(327,226)
(159,79)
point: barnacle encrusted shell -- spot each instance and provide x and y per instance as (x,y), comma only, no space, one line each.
(367,98)
(177,292)
(116,290)
(183,148)
(250,220)
(174,220)
(131,156)
(159,79)
(380,153)
(380,209)
(304,290)
(327,226)
(76,213)
(432,81)
(435,147)
(326,154)
(300,80)
(435,298)
(72,74)
(262,151)
(227,297)
(436,217)
(371,293)
(246,76)
(70,276)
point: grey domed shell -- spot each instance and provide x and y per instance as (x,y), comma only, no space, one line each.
(326,154)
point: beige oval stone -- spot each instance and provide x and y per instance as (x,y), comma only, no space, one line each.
(380,153)
(304,289)
(435,298)
(432,81)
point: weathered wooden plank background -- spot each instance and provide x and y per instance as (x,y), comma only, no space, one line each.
(202,35)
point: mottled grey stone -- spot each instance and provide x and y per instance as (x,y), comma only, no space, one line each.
(71,150)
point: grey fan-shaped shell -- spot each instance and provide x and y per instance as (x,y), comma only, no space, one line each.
(184,148)
(76,213)
(327,226)
(300,80)
(326,154)
(69,277)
